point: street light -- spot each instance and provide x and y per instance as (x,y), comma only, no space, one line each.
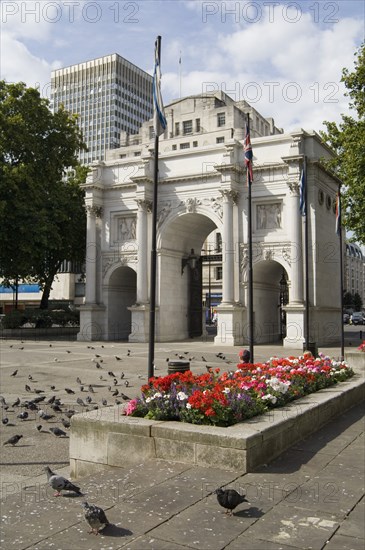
(191,261)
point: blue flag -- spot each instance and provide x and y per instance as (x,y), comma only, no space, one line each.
(302,192)
(159,120)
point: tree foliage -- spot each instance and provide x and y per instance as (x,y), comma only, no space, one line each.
(42,216)
(347,139)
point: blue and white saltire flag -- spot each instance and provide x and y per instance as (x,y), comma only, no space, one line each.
(159,119)
(338,213)
(302,193)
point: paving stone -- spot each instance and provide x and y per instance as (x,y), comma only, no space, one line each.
(243,542)
(295,526)
(342,542)
(354,524)
(205,525)
(152,543)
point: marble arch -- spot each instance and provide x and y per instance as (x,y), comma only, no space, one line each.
(202,187)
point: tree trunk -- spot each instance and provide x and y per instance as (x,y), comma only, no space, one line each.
(46,292)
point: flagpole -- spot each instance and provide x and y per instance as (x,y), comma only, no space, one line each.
(151,346)
(339,230)
(306,255)
(180,73)
(250,276)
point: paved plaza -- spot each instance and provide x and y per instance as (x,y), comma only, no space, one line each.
(311,497)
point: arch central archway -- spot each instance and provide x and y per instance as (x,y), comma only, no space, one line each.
(180,292)
(268,309)
(121,294)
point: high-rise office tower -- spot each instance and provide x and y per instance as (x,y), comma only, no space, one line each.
(110,95)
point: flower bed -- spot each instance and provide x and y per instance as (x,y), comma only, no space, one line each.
(231,397)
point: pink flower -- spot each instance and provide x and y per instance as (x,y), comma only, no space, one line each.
(131,407)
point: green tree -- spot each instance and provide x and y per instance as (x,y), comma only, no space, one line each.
(41,206)
(347,139)
(357,301)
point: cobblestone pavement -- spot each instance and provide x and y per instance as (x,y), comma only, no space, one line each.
(312,496)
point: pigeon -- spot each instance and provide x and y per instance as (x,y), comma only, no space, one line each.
(39,399)
(118,358)
(128,352)
(69,391)
(16,402)
(69,413)
(57,432)
(60,483)
(229,499)
(66,423)
(115,382)
(115,392)
(51,400)
(27,388)
(14,373)
(53,388)
(30,377)
(122,375)
(88,399)
(91,389)
(44,415)
(111,373)
(80,402)
(13,440)
(203,359)
(97,355)
(97,365)
(78,380)
(104,402)
(126,383)
(5,420)
(56,408)
(95,517)
(39,427)
(23,415)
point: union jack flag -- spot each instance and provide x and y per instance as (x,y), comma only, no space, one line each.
(248,156)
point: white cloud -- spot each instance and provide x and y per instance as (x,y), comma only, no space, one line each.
(22,66)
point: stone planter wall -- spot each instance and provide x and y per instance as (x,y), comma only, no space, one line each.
(105,438)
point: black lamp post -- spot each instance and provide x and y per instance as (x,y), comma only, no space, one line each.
(284,298)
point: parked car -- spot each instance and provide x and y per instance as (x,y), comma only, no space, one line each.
(357,318)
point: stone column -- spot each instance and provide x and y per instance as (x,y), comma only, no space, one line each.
(144,206)
(228,248)
(296,249)
(92,253)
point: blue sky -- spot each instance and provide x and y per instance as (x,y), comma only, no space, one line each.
(285,58)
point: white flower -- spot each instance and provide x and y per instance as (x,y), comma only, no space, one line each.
(181,396)
(226,390)
(148,399)
(157,394)
(272,398)
(188,406)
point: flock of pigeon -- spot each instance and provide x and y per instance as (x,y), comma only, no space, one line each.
(42,408)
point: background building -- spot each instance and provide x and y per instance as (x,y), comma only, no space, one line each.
(355,271)
(112,97)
